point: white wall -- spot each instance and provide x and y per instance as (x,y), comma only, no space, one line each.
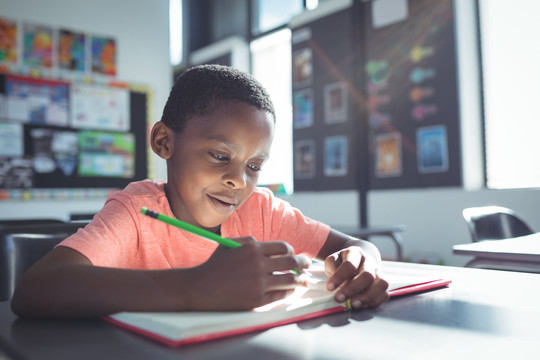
(141,29)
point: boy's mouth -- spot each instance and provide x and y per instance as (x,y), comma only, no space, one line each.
(223,204)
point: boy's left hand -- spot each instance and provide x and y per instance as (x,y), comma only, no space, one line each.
(354,274)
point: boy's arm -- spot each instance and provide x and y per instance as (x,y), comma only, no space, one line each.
(64,284)
(353,269)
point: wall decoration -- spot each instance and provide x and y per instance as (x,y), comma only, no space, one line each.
(303,108)
(106,154)
(99,107)
(388,155)
(432,149)
(38,45)
(336,103)
(103,55)
(11,140)
(304,159)
(71,50)
(8,41)
(336,156)
(36,101)
(302,67)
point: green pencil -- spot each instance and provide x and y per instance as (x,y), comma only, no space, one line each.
(193,229)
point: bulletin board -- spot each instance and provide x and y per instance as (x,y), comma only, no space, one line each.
(411,91)
(57,134)
(325,100)
(375,102)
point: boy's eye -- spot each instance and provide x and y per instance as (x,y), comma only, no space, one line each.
(254,167)
(219,157)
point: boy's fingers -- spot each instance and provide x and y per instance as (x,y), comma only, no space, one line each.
(372,297)
(289,262)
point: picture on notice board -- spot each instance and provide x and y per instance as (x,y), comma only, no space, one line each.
(432,149)
(53,150)
(302,67)
(16,173)
(335,156)
(304,159)
(303,108)
(38,45)
(99,107)
(336,103)
(8,41)
(71,50)
(388,157)
(11,139)
(106,154)
(103,55)
(36,101)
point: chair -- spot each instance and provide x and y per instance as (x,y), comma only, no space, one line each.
(494,222)
(21,246)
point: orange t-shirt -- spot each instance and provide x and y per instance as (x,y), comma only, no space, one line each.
(120,236)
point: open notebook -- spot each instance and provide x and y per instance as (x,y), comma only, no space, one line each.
(183,328)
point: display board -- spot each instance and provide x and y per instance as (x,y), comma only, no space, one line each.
(55,134)
(324,94)
(375,103)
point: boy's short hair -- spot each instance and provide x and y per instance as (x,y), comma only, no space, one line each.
(201,89)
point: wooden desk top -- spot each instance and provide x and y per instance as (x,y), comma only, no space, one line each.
(483,314)
(523,248)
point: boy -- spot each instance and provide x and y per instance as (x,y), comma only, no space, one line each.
(215,134)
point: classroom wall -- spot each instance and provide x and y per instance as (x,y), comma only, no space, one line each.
(141,29)
(432,216)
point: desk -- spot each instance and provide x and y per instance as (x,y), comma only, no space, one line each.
(484,314)
(517,254)
(393,232)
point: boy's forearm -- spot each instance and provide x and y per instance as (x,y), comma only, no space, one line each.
(75,291)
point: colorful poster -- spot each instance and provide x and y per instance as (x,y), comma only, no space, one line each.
(106,154)
(336,103)
(432,149)
(71,54)
(38,46)
(8,41)
(304,159)
(336,156)
(53,151)
(388,160)
(302,67)
(36,101)
(11,140)
(99,107)
(303,108)
(16,173)
(103,55)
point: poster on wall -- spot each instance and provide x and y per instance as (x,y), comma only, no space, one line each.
(336,156)
(71,50)
(106,154)
(8,41)
(38,45)
(304,159)
(388,156)
(53,151)
(36,101)
(11,139)
(336,104)
(303,108)
(432,149)
(99,107)
(103,55)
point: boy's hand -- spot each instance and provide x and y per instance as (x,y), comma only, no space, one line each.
(249,276)
(354,274)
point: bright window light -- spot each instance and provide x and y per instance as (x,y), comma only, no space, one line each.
(271,65)
(175,31)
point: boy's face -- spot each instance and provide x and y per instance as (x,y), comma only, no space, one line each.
(216,162)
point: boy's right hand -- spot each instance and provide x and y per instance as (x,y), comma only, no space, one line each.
(246,277)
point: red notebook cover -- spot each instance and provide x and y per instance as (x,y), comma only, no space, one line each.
(405,290)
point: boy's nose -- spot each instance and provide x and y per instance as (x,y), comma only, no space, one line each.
(235,177)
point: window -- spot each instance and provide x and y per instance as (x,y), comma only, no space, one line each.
(270,14)
(510,57)
(271,65)
(175,31)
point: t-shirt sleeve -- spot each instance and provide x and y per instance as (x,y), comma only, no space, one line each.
(270,218)
(110,239)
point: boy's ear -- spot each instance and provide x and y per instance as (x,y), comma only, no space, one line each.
(162,140)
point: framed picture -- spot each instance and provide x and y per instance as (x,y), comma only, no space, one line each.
(336,103)
(432,149)
(388,157)
(304,159)
(336,156)
(303,108)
